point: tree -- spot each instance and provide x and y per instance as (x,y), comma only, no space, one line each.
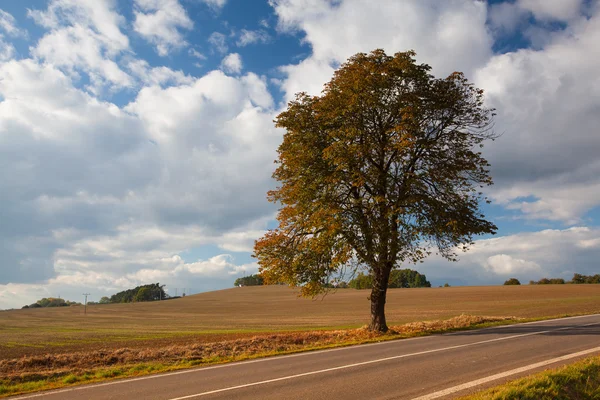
(252,280)
(402,278)
(374,172)
(512,281)
(104,300)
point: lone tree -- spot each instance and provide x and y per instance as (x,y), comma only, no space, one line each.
(375,172)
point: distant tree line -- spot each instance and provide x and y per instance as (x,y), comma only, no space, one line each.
(252,280)
(52,302)
(399,278)
(578,279)
(150,292)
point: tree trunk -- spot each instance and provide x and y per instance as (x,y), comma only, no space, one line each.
(381,277)
(378,323)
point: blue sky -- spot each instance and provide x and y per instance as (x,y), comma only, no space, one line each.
(137,143)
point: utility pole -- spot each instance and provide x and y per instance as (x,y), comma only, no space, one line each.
(85,303)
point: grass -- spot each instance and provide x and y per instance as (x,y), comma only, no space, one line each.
(580,380)
(50,348)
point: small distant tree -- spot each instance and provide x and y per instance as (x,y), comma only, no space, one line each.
(104,300)
(446,284)
(144,294)
(381,168)
(512,281)
(361,281)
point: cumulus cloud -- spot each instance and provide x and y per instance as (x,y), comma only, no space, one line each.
(503,264)
(551,253)
(232,63)
(160,21)
(160,76)
(82,173)
(84,36)
(450,35)
(546,164)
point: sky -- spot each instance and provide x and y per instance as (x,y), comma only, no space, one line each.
(137,142)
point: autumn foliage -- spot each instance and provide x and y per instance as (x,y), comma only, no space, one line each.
(375,172)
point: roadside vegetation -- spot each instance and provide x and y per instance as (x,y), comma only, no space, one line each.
(580,380)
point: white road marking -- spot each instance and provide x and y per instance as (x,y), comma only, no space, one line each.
(303,354)
(321,371)
(501,375)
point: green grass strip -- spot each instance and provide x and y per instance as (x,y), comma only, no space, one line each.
(580,380)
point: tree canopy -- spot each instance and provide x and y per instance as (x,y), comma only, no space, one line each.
(251,280)
(512,281)
(374,172)
(150,292)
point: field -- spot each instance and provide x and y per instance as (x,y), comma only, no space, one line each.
(243,312)
(53,347)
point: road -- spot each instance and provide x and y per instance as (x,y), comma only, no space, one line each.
(439,366)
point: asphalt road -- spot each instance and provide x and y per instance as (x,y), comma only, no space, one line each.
(440,366)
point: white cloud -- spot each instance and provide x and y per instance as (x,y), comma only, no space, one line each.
(196,54)
(506,16)
(157,75)
(82,173)
(9,25)
(503,264)
(232,63)
(547,102)
(449,35)
(550,253)
(84,36)
(251,37)
(159,22)
(552,9)
(218,41)
(7,50)
(215,4)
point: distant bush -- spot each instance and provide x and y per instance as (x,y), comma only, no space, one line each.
(52,302)
(512,281)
